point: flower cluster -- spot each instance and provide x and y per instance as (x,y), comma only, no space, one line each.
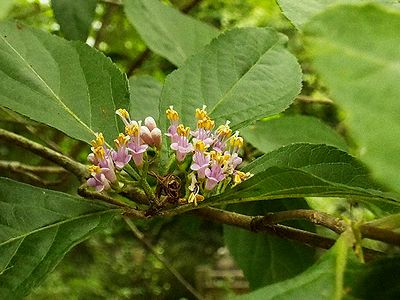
(129,146)
(213,153)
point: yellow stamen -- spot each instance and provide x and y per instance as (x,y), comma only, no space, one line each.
(237,179)
(225,157)
(99,152)
(200,146)
(194,198)
(99,141)
(206,123)
(132,129)
(236,141)
(224,130)
(172,114)
(123,113)
(94,169)
(182,131)
(201,113)
(214,155)
(121,140)
(241,176)
(219,158)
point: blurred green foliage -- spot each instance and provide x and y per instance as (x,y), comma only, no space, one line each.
(113,264)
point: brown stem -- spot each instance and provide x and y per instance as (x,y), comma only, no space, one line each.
(127,209)
(335,224)
(20,167)
(140,236)
(380,234)
(319,218)
(67,163)
(29,177)
(258,224)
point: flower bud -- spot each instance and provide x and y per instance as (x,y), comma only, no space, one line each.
(146,135)
(150,123)
(156,137)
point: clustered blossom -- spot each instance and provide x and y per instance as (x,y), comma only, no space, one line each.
(213,153)
(129,146)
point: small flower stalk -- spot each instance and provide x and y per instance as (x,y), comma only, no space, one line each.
(207,156)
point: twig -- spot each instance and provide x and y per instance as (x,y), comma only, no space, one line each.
(127,209)
(139,235)
(67,163)
(17,166)
(30,177)
(380,234)
(30,172)
(319,218)
(335,224)
(258,224)
(308,99)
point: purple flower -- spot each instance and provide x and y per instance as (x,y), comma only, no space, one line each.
(200,163)
(173,117)
(233,161)
(101,178)
(109,173)
(99,182)
(135,145)
(182,145)
(137,149)
(219,146)
(121,157)
(203,135)
(223,132)
(214,175)
(101,157)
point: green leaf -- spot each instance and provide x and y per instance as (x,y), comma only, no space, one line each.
(325,280)
(299,12)
(378,280)
(272,134)
(75,17)
(338,275)
(243,75)
(66,85)
(5,7)
(38,227)
(391,222)
(302,170)
(356,51)
(266,259)
(166,31)
(145,97)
